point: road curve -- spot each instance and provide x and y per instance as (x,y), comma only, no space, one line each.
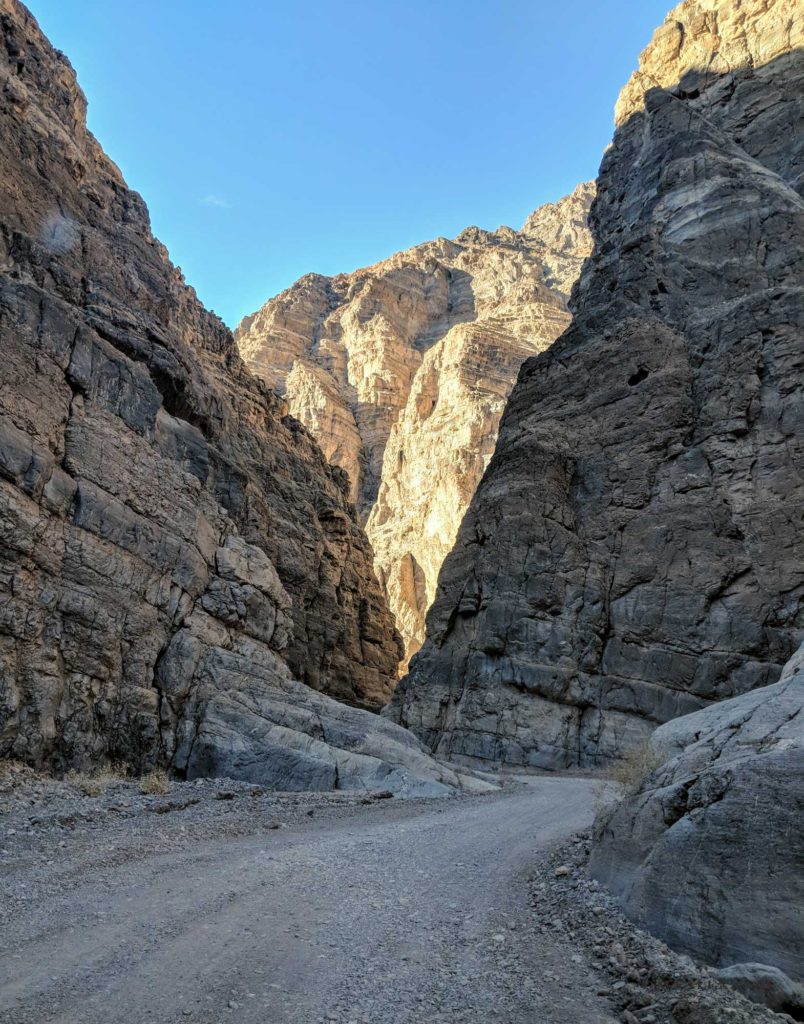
(395,916)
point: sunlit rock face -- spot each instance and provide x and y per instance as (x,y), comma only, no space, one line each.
(401,371)
(635,550)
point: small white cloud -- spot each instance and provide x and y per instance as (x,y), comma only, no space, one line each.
(218,201)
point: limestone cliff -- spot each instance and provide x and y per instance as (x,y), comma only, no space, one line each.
(635,550)
(177,557)
(401,372)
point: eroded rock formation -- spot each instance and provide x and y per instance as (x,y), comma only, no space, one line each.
(401,371)
(635,550)
(709,853)
(179,564)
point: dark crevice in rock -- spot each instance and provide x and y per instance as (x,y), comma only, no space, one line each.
(638,376)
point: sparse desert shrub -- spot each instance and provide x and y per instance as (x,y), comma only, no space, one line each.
(89,784)
(96,783)
(13,773)
(636,766)
(155,783)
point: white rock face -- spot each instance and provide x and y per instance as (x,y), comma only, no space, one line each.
(402,371)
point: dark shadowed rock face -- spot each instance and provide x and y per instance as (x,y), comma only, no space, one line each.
(168,539)
(709,853)
(636,547)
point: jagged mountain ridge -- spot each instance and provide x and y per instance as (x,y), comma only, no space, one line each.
(401,371)
(632,553)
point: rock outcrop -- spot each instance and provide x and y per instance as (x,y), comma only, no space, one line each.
(768,985)
(708,854)
(635,550)
(401,372)
(180,567)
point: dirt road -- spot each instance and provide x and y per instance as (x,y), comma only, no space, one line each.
(393,913)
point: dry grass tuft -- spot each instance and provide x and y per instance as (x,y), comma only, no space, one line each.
(9,767)
(14,773)
(96,783)
(635,768)
(88,784)
(155,783)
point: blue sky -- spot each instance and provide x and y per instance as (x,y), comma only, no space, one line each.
(273,138)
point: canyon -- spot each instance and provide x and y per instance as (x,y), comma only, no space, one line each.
(401,372)
(210,544)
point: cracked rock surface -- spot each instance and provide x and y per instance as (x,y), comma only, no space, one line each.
(635,550)
(180,567)
(708,854)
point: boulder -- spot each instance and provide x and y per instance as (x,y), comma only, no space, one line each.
(766,985)
(708,852)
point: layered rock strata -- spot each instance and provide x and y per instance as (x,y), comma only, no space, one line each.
(709,853)
(180,567)
(635,550)
(401,371)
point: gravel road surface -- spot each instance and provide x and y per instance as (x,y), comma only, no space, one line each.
(388,911)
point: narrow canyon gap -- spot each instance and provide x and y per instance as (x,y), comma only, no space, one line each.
(401,372)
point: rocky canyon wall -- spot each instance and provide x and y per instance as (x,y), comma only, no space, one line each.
(401,372)
(180,567)
(635,550)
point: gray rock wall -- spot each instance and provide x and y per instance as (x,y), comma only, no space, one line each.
(169,539)
(635,549)
(708,854)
